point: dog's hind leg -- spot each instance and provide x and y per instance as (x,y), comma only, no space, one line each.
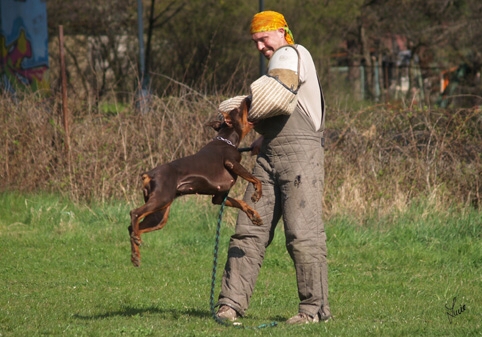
(155,221)
(135,239)
(150,222)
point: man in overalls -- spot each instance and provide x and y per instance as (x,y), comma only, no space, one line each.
(287,108)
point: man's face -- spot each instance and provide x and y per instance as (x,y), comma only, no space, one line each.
(268,42)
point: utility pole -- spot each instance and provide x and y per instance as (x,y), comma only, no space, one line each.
(142,92)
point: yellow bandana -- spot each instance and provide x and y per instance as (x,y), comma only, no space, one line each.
(267,21)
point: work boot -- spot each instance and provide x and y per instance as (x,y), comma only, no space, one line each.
(324,315)
(226,312)
(302,318)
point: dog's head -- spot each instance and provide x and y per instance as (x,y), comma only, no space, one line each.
(236,119)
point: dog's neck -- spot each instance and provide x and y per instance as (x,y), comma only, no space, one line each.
(229,136)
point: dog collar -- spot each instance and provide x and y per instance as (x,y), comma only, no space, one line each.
(225,140)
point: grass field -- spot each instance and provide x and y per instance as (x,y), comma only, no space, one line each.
(65,270)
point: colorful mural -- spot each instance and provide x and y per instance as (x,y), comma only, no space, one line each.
(24,61)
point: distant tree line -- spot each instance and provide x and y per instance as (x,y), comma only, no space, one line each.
(205,44)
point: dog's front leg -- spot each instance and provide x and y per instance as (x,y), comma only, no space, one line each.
(252,214)
(239,170)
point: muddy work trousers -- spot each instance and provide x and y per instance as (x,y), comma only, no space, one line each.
(292,176)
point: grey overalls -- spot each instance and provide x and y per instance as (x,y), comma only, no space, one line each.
(290,166)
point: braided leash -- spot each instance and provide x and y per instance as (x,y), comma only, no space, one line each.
(213,279)
(215,265)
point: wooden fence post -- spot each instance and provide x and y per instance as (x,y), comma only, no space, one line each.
(65,109)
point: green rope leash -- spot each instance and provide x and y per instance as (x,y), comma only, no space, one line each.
(215,265)
(213,279)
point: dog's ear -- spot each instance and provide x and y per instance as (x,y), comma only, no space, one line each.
(244,107)
(216,125)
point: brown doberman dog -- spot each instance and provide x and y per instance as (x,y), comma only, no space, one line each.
(211,171)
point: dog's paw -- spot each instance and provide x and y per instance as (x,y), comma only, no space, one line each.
(136,260)
(257,221)
(256,196)
(254,217)
(135,253)
(257,191)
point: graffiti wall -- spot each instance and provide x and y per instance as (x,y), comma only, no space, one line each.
(24,61)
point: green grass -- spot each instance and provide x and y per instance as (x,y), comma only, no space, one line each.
(65,270)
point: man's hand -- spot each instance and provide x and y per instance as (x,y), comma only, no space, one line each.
(256,146)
